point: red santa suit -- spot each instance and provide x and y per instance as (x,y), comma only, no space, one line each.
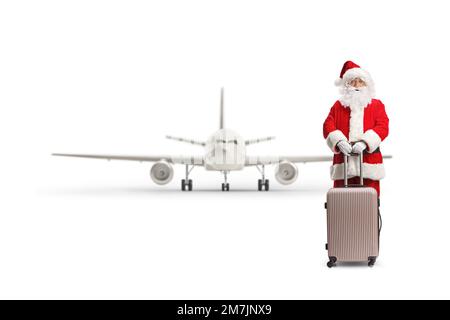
(366,121)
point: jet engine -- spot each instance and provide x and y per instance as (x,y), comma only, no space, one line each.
(286,172)
(161,172)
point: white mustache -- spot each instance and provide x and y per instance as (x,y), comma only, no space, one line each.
(355,97)
(355,89)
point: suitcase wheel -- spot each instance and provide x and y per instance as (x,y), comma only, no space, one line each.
(332,262)
(372,261)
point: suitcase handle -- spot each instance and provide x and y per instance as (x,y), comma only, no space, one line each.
(361,179)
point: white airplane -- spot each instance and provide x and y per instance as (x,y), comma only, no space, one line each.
(225,152)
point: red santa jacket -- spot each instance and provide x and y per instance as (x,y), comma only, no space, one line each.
(370,125)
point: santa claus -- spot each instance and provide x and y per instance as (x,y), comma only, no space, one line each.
(357,123)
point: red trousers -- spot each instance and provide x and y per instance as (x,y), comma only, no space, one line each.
(355,180)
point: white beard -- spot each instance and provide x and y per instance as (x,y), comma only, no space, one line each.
(354,98)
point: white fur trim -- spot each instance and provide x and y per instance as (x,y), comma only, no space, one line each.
(370,171)
(333,138)
(356,124)
(338,82)
(356,73)
(372,139)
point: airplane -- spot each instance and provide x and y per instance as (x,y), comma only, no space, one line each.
(225,151)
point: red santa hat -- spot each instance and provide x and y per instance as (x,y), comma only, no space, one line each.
(350,71)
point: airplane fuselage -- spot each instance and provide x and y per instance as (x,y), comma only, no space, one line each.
(225,151)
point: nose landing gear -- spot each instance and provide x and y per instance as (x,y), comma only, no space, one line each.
(225,185)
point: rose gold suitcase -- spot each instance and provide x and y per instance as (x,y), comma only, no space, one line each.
(353,222)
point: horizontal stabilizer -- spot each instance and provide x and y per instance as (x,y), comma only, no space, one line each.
(198,143)
(253,141)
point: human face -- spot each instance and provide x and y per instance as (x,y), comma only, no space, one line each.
(357,83)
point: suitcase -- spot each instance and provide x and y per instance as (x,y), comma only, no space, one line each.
(353,221)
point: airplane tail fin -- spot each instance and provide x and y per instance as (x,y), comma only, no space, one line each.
(222,121)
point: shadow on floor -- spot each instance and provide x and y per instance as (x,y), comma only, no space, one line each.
(144,190)
(354,265)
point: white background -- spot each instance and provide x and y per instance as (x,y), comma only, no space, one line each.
(116,76)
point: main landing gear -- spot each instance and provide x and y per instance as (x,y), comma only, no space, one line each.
(225,185)
(262,183)
(186,184)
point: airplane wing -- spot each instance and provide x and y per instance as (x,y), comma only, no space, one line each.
(191,160)
(266,160)
(257,160)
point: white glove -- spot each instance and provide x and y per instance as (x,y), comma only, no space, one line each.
(359,147)
(345,147)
